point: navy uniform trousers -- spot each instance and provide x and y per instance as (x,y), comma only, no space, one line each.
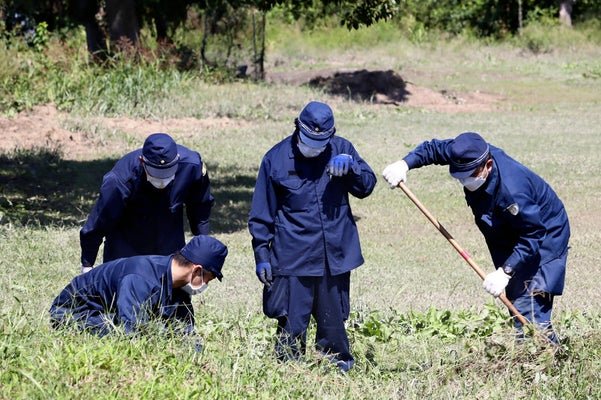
(294,299)
(536,305)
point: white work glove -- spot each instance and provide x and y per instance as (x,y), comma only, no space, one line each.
(396,173)
(85,269)
(495,282)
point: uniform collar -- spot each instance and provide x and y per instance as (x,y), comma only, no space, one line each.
(493,179)
(293,140)
(168,280)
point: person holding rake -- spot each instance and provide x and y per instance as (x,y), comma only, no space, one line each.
(522,219)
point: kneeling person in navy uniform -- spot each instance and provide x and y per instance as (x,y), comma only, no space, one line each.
(304,236)
(131,291)
(524,223)
(140,207)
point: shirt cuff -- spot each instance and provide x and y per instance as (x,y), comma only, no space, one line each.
(412,161)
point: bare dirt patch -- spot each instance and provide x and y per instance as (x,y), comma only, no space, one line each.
(181,127)
(45,127)
(388,87)
(39,127)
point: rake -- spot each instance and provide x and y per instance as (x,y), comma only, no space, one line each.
(460,250)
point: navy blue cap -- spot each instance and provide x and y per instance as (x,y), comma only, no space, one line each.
(468,151)
(160,157)
(316,124)
(206,251)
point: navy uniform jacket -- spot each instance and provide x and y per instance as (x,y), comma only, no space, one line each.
(524,223)
(127,292)
(138,219)
(300,217)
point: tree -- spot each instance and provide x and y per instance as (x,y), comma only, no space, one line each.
(231,29)
(236,20)
(565,12)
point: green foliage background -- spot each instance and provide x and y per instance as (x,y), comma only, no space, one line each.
(496,18)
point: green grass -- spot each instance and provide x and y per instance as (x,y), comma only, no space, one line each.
(421,325)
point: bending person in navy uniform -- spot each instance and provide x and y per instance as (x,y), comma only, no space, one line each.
(140,207)
(304,237)
(524,223)
(128,292)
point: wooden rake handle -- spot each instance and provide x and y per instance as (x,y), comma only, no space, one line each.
(460,250)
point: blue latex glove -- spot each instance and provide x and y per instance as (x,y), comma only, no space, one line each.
(263,271)
(340,165)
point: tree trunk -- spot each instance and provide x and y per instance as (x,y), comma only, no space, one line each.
(84,12)
(520,17)
(123,27)
(259,46)
(565,12)
(263,30)
(95,40)
(208,15)
(160,25)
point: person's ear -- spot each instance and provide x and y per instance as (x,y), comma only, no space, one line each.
(196,272)
(488,165)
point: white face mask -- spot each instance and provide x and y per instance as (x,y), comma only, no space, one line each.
(473,183)
(310,152)
(159,183)
(191,290)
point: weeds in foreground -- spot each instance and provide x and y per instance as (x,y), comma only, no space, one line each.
(413,353)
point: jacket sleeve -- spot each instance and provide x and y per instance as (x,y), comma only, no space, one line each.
(262,214)
(135,302)
(199,203)
(433,152)
(531,233)
(104,216)
(362,179)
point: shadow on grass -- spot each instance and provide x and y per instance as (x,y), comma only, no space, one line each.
(233,189)
(386,87)
(38,187)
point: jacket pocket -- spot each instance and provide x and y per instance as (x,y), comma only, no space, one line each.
(295,194)
(275,298)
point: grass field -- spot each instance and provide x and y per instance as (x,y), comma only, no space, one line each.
(421,325)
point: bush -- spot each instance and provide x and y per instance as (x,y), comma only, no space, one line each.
(57,72)
(545,35)
(490,17)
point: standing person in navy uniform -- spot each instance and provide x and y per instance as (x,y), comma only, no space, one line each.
(304,236)
(129,292)
(140,207)
(524,223)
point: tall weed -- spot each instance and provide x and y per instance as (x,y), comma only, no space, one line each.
(64,77)
(546,35)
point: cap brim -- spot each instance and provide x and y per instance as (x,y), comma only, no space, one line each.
(314,143)
(461,174)
(161,173)
(216,274)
